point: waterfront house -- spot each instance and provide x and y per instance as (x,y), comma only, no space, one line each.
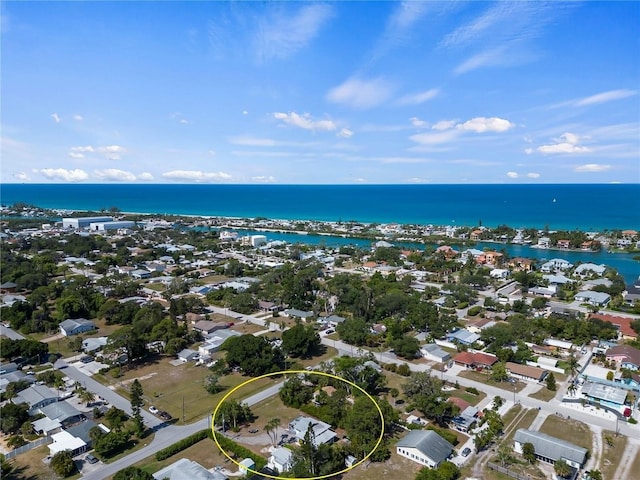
(554,265)
(587,269)
(424,447)
(520,264)
(550,449)
(563,244)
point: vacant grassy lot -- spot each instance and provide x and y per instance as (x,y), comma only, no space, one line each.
(470,398)
(170,387)
(523,421)
(543,394)
(246,328)
(396,467)
(29,465)
(572,431)
(484,378)
(612,455)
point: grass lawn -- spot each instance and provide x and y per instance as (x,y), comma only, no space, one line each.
(543,394)
(247,328)
(511,414)
(327,354)
(396,467)
(205,452)
(524,421)
(612,455)
(572,431)
(29,465)
(484,378)
(470,398)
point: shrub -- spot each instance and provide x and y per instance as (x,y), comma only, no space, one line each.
(473,311)
(404,370)
(182,444)
(632,420)
(472,390)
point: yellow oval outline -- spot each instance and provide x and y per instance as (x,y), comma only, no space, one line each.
(306,372)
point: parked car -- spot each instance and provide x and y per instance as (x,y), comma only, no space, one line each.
(165,416)
(466,452)
(91,459)
(153,410)
(86,359)
(329,332)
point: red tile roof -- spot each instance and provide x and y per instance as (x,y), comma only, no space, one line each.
(623,323)
(477,358)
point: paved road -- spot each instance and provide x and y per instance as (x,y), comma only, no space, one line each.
(105,392)
(169,435)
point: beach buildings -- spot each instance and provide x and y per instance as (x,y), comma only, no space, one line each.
(424,447)
(83,222)
(550,449)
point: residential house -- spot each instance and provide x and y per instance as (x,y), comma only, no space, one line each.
(550,449)
(424,447)
(12,377)
(544,242)
(321,430)
(554,265)
(91,345)
(75,326)
(631,294)
(480,325)
(334,320)
(604,395)
(623,324)
(207,327)
(66,441)
(466,419)
(187,355)
(587,269)
(295,313)
(246,464)
(563,244)
(214,342)
(597,299)
(434,353)
(184,469)
(36,396)
(520,264)
(475,359)
(625,356)
(280,459)
(463,336)
(526,372)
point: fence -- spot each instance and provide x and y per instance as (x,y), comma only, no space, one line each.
(506,471)
(27,447)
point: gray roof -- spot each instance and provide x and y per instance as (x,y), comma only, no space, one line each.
(607,393)
(81,430)
(60,411)
(551,447)
(428,443)
(72,323)
(35,394)
(185,469)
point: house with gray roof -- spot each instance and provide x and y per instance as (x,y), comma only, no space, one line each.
(550,449)
(280,459)
(75,326)
(585,269)
(424,447)
(36,396)
(597,299)
(62,412)
(433,352)
(322,431)
(295,313)
(188,469)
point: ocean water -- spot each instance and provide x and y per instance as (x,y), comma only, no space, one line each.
(585,207)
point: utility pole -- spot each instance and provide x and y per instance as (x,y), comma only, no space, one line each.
(183,416)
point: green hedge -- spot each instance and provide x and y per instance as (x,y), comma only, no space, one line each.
(239,451)
(183,444)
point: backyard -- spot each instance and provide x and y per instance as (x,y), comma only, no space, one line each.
(571,431)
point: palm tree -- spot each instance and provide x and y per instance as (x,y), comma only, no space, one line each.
(562,468)
(573,365)
(572,389)
(272,426)
(86,396)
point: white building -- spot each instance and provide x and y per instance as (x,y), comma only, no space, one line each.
(424,447)
(280,459)
(83,222)
(550,449)
(104,226)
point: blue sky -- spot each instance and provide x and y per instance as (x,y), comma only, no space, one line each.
(329,93)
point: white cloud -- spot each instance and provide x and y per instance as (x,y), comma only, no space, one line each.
(304,121)
(361,94)
(146,176)
(87,149)
(533,175)
(566,143)
(345,133)
(281,36)
(512,174)
(110,152)
(435,138)
(528,150)
(78,118)
(401,160)
(592,167)
(444,125)
(416,180)
(21,176)
(489,58)
(484,124)
(76,175)
(252,141)
(56,117)
(416,122)
(604,97)
(76,155)
(245,112)
(264,179)
(196,176)
(115,175)
(418,98)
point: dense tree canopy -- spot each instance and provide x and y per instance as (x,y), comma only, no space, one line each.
(255,356)
(300,341)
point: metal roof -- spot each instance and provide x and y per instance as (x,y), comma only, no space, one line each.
(428,443)
(551,447)
(607,393)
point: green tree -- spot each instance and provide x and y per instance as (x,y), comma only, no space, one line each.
(551,382)
(499,372)
(353,331)
(212,384)
(63,464)
(115,418)
(300,341)
(562,468)
(129,339)
(595,474)
(529,452)
(137,402)
(504,454)
(406,346)
(12,417)
(271,427)
(132,473)
(294,393)
(86,396)
(254,355)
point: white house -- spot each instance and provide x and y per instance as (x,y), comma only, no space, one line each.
(188,469)
(550,449)
(247,464)
(585,269)
(187,355)
(424,447)
(75,326)
(280,459)
(555,264)
(321,430)
(597,299)
(433,352)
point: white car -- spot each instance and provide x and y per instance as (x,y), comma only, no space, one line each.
(153,410)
